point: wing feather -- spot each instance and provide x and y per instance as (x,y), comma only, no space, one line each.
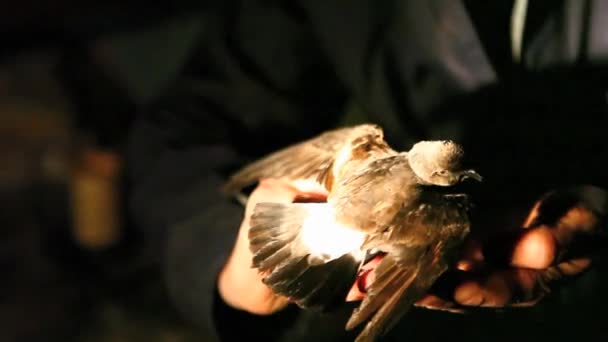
(290,268)
(310,159)
(421,244)
(362,196)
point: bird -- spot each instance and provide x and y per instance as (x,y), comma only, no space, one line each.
(402,205)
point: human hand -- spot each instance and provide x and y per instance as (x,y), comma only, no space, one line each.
(560,238)
(240,285)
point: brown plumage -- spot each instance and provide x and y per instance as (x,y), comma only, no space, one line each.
(380,200)
(313,159)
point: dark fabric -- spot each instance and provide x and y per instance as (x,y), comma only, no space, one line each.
(269,73)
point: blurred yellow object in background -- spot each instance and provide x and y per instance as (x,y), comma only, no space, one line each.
(95,199)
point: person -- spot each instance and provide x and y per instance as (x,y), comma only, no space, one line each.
(521,85)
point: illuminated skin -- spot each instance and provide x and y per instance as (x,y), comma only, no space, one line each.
(240,285)
(377,199)
(532,262)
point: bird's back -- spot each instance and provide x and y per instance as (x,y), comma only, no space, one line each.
(370,196)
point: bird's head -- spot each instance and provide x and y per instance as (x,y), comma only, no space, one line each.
(438,162)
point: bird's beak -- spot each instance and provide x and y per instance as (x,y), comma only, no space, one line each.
(470,174)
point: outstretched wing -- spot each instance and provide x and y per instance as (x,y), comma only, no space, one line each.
(420,246)
(313,276)
(308,160)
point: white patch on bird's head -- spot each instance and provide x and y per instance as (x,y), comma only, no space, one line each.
(438,162)
(437,154)
(327,239)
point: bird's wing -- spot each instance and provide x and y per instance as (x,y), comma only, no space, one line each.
(310,159)
(371,198)
(420,246)
(313,275)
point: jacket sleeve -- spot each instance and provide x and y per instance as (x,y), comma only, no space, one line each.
(228,106)
(174,204)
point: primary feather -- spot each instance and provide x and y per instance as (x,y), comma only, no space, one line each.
(315,159)
(378,199)
(285,245)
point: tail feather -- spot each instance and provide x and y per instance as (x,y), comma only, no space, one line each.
(276,259)
(392,294)
(300,161)
(393,310)
(291,269)
(284,278)
(340,276)
(390,279)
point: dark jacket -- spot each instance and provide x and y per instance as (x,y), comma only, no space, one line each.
(268,73)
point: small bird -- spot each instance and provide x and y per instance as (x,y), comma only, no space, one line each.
(401,205)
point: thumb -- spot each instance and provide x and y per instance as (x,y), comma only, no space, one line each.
(534,248)
(563,224)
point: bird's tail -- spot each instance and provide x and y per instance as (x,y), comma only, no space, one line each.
(281,251)
(391,295)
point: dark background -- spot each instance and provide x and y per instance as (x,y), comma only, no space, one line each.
(72,77)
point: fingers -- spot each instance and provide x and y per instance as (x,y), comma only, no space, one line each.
(534,251)
(535,248)
(558,240)
(513,287)
(555,204)
(433,302)
(459,291)
(280,191)
(309,187)
(472,256)
(273,190)
(532,248)
(532,260)
(554,234)
(500,288)
(576,217)
(560,235)
(571,236)
(239,284)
